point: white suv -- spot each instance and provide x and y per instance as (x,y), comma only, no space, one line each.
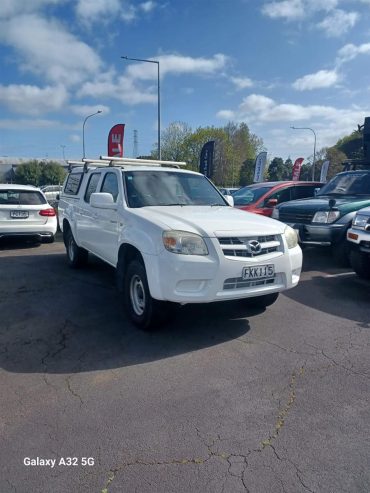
(172,237)
(359,237)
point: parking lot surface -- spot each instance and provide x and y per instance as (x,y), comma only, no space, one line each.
(224,399)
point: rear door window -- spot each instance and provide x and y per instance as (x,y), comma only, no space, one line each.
(304,191)
(73,183)
(91,186)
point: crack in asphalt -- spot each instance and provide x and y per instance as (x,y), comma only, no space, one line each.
(70,389)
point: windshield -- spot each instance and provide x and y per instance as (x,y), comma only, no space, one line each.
(248,195)
(21,197)
(357,183)
(150,188)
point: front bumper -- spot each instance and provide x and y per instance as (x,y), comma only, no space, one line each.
(359,240)
(322,234)
(204,279)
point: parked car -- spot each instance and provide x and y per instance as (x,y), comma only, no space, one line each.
(52,192)
(359,237)
(228,190)
(261,198)
(25,213)
(325,219)
(172,237)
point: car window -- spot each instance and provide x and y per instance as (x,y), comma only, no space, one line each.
(21,197)
(169,188)
(249,195)
(91,186)
(73,183)
(110,185)
(304,191)
(352,183)
(283,195)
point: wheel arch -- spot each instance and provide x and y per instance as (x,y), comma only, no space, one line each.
(126,254)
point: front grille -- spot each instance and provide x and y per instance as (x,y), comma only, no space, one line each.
(239,246)
(239,283)
(295,217)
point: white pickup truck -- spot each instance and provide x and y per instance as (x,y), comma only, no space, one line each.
(172,237)
(359,237)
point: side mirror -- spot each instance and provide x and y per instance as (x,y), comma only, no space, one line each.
(271,203)
(229,200)
(57,197)
(102,201)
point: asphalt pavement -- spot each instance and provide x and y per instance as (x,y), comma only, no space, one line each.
(225,399)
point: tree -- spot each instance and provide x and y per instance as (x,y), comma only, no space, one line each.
(276,169)
(172,142)
(247,172)
(52,174)
(28,173)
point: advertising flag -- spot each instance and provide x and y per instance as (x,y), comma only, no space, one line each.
(260,166)
(206,159)
(297,168)
(115,140)
(324,171)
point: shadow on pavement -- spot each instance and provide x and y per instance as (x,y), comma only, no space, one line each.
(58,320)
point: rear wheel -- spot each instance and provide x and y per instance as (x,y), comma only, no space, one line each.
(144,311)
(264,300)
(360,263)
(77,257)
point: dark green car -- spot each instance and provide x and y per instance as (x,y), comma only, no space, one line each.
(324,219)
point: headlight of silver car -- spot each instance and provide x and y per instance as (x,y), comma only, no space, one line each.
(291,237)
(325,217)
(360,221)
(184,243)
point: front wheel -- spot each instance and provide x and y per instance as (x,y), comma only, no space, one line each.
(360,263)
(77,257)
(144,311)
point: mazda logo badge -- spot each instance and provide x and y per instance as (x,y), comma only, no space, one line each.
(254,246)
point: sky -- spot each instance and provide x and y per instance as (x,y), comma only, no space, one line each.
(269,64)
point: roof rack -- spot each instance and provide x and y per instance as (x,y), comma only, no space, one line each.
(105,161)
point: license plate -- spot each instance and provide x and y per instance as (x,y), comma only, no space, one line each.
(19,214)
(259,272)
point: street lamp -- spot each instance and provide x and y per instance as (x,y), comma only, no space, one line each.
(159,98)
(83,130)
(314,148)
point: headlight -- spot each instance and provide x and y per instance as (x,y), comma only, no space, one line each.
(326,217)
(360,221)
(184,243)
(275,213)
(291,237)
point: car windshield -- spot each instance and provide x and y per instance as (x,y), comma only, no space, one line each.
(21,197)
(249,195)
(357,183)
(169,188)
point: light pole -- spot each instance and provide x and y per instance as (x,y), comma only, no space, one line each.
(83,130)
(314,148)
(159,99)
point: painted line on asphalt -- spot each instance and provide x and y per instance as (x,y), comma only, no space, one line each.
(342,274)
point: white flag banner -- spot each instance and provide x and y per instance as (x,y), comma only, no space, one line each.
(324,171)
(260,166)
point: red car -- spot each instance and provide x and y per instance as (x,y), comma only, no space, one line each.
(261,198)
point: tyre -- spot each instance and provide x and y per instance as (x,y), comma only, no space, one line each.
(263,301)
(77,257)
(144,311)
(360,263)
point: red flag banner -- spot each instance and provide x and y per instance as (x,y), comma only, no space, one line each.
(297,168)
(115,140)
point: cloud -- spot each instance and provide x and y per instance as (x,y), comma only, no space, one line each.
(147,6)
(25,124)
(47,49)
(351,51)
(91,10)
(11,8)
(338,23)
(261,109)
(84,109)
(286,9)
(33,100)
(321,79)
(242,82)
